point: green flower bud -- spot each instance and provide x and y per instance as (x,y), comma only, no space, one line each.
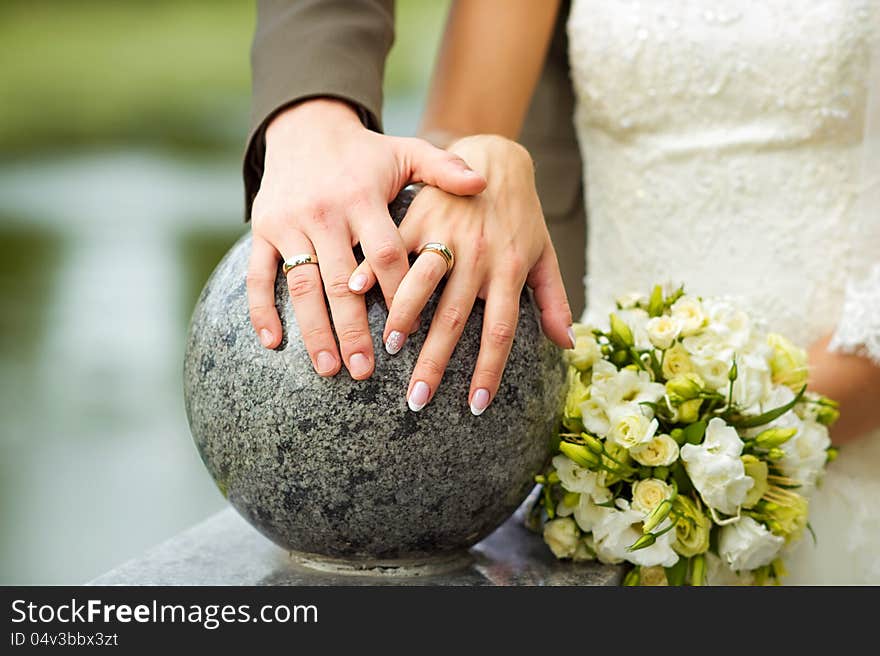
(733,373)
(826,415)
(620,332)
(775,437)
(694,433)
(579,454)
(632,577)
(657,516)
(644,472)
(661,472)
(592,443)
(698,570)
(831,454)
(677,434)
(684,387)
(539,478)
(655,303)
(689,411)
(571,499)
(553,477)
(643,542)
(775,454)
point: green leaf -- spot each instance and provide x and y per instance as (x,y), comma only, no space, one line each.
(676,574)
(739,421)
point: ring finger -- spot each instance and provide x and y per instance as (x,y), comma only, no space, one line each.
(413,293)
(309,308)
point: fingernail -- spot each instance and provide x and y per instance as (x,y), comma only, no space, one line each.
(394,342)
(470,173)
(325,362)
(571,335)
(266,337)
(418,398)
(358,365)
(480,402)
(357,282)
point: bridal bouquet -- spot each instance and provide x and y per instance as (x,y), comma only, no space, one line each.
(688,445)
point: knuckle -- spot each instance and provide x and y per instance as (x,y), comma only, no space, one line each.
(337,287)
(489,375)
(255,279)
(315,334)
(300,285)
(388,253)
(350,336)
(501,333)
(452,319)
(431,367)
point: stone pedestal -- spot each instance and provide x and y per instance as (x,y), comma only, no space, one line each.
(225,550)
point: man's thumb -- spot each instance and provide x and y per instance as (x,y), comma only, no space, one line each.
(423,162)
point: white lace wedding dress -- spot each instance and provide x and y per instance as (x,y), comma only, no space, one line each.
(722,144)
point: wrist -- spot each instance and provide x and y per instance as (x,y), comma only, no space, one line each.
(313,113)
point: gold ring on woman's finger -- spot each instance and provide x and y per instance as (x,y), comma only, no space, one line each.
(440,249)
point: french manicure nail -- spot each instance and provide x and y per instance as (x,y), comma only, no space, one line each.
(469,173)
(265,337)
(358,365)
(480,402)
(394,342)
(357,282)
(571,336)
(325,362)
(418,398)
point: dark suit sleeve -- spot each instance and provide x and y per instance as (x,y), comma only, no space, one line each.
(309,48)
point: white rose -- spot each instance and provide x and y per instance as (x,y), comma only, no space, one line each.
(716,469)
(713,372)
(586,351)
(575,478)
(562,535)
(649,493)
(620,529)
(631,429)
(676,362)
(661,451)
(662,331)
(747,545)
(688,313)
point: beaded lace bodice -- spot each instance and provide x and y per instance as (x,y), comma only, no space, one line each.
(722,148)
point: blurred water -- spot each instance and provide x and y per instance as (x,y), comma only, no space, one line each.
(102,257)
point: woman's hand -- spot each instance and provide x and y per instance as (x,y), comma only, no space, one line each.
(500,243)
(326,187)
(851,380)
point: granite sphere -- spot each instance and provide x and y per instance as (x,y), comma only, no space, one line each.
(342,469)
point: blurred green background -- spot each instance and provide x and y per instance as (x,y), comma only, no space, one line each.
(121,127)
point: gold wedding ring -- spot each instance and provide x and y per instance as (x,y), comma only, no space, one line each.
(442,250)
(298,260)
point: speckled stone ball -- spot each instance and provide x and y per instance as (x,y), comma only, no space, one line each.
(343,469)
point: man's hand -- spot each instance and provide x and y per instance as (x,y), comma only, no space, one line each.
(326,186)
